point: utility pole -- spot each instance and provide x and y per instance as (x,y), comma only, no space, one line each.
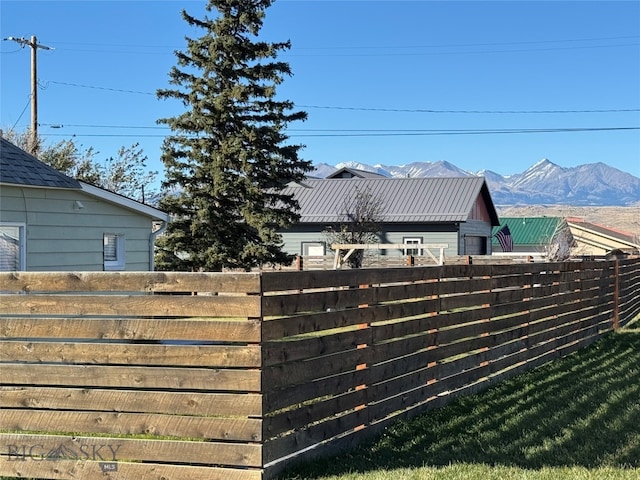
(33,43)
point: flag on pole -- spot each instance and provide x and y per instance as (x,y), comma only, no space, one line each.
(504,238)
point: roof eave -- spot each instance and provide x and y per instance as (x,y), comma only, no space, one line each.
(125,202)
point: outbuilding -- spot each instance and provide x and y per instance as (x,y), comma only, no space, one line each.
(456,212)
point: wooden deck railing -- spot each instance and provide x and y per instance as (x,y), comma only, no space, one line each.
(235,376)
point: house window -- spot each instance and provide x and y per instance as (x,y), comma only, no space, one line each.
(412,241)
(12,247)
(313,249)
(113,251)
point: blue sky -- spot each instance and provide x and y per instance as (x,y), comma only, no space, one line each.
(383,82)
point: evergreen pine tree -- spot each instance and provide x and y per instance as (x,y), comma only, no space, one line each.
(226,159)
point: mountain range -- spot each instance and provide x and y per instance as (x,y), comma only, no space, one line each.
(594,184)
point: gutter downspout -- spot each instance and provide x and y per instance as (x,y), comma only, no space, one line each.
(152,243)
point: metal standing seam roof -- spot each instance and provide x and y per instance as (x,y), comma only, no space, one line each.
(530,230)
(18,167)
(404,200)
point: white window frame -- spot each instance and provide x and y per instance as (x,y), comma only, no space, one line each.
(308,247)
(22,242)
(410,241)
(119,262)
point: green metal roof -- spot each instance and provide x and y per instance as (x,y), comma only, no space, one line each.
(530,230)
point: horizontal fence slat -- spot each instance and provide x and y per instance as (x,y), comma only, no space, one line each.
(315,368)
(171,402)
(65,469)
(308,347)
(131,305)
(61,421)
(113,449)
(129,281)
(131,354)
(205,329)
(131,377)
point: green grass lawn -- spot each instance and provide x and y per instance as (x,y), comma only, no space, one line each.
(576,418)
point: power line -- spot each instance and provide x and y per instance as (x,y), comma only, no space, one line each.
(100,88)
(299,51)
(510,112)
(471,132)
(392,133)
(465,52)
(396,110)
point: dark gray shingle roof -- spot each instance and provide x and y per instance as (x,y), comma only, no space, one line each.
(18,167)
(413,200)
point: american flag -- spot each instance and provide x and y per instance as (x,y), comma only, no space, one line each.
(504,238)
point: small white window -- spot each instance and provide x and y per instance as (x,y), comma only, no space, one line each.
(12,247)
(413,251)
(113,250)
(313,249)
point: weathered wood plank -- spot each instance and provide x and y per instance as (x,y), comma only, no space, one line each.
(403,365)
(70,422)
(131,305)
(284,398)
(282,281)
(65,469)
(400,327)
(292,304)
(281,328)
(131,354)
(465,301)
(403,346)
(205,329)
(114,449)
(313,434)
(301,372)
(129,281)
(131,377)
(401,398)
(304,415)
(176,403)
(309,347)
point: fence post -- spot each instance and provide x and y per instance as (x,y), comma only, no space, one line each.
(616,295)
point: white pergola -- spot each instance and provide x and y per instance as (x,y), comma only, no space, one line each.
(352,247)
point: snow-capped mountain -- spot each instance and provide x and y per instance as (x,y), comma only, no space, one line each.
(544,182)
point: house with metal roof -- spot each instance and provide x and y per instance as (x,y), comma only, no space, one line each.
(456,212)
(544,237)
(52,222)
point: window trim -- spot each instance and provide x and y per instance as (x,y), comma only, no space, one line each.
(119,262)
(22,243)
(305,248)
(413,240)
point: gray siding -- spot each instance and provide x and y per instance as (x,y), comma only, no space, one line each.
(439,234)
(59,237)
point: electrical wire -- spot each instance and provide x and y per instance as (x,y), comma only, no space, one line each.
(22,113)
(396,110)
(392,133)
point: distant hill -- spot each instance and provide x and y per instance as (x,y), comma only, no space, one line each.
(596,184)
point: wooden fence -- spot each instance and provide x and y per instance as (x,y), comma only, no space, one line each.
(235,376)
